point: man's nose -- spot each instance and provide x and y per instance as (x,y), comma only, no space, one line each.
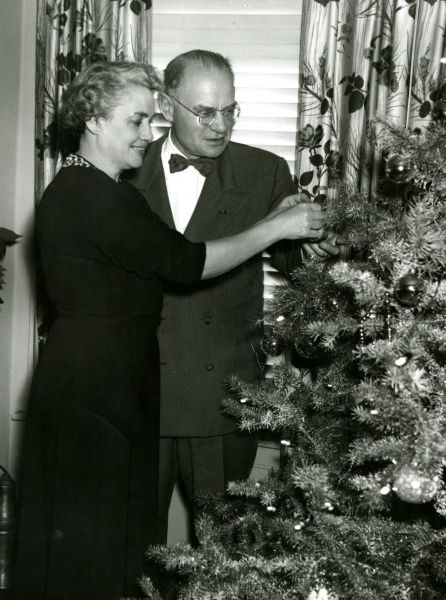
(219,125)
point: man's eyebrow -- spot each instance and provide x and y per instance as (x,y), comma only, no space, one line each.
(140,114)
(204,108)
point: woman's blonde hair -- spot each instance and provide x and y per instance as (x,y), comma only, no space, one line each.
(97,90)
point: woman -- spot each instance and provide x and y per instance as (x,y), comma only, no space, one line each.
(89,492)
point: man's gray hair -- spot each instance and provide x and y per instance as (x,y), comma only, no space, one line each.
(174,72)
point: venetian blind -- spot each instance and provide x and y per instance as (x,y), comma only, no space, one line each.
(261,39)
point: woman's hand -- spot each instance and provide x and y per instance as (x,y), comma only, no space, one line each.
(325,244)
(290,201)
(300,220)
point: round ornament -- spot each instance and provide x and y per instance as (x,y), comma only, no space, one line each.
(408,289)
(440,353)
(321,594)
(402,360)
(439,111)
(272,345)
(415,135)
(413,486)
(399,169)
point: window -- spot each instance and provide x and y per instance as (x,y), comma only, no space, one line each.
(261,39)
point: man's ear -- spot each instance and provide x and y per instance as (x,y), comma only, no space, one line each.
(166,106)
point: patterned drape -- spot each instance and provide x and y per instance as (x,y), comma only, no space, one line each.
(359,59)
(72,34)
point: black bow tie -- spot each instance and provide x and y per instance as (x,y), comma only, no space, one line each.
(179,163)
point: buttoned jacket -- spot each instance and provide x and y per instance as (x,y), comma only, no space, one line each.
(212,330)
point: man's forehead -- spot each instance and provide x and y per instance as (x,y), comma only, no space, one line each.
(203,90)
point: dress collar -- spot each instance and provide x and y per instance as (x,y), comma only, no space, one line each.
(74,160)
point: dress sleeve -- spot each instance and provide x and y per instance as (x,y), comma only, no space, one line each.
(89,215)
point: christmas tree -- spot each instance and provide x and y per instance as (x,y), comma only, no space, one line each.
(358,507)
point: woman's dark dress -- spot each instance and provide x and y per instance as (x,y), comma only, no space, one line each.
(89,491)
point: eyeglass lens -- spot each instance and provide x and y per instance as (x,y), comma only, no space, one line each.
(230,115)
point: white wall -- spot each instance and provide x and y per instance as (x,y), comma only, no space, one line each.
(17,78)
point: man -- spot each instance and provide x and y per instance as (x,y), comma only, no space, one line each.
(211,331)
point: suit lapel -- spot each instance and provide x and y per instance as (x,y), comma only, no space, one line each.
(219,202)
(152,183)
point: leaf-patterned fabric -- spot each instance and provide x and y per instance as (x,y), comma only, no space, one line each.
(359,59)
(72,34)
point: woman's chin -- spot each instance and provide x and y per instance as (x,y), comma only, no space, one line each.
(135,162)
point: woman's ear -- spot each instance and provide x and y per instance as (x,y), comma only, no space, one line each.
(166,106)
(92,125)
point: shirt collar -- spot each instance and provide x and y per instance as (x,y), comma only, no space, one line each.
(170,148)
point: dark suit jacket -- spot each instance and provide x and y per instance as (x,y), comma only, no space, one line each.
(211,331)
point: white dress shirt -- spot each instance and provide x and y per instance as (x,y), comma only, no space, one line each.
(183,188)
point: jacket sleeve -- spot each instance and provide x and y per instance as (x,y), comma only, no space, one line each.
(286,255)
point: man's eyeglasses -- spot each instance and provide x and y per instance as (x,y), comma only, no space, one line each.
(207,117)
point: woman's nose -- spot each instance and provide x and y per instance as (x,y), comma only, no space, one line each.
(146,132)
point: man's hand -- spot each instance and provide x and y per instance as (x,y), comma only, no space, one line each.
(331,245)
